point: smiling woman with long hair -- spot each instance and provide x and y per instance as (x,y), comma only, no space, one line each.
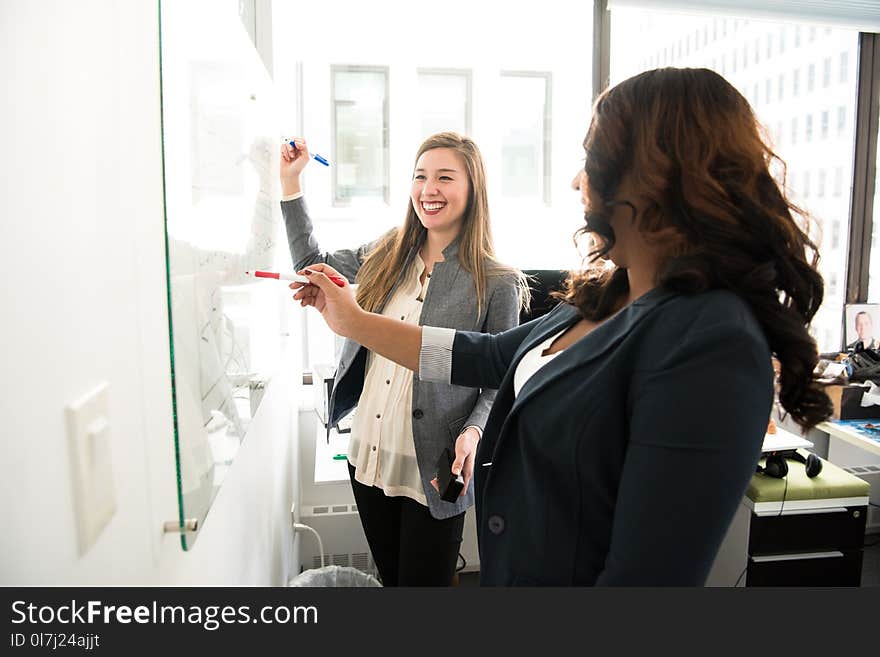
(438,268)
(629,420)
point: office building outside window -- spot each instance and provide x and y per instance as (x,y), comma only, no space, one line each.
(809,160)
(360,130)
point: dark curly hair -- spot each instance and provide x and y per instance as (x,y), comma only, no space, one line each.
(693,149)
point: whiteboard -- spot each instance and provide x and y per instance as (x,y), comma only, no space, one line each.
(220,157)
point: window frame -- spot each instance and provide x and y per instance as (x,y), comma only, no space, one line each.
(336,201)
(468,75)
(861,216)
(547,130)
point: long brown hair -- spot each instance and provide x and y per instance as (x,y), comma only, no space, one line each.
(693,149)
(476,252)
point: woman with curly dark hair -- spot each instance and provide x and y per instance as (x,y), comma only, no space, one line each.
(629,420)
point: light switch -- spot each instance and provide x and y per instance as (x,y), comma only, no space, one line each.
(88,430)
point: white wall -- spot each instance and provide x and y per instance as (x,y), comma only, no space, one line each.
(82,254)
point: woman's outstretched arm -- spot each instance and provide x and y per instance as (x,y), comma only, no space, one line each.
(393,339)
(426,350)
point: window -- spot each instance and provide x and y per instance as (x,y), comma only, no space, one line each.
(771,45)
(360,129)
(445,99)
(844,66)
(874,262)
(362,103)
(525,136)
(733,61)
(841,119)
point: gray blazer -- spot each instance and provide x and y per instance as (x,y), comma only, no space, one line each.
(439,410)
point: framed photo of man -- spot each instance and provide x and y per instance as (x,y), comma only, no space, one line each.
(862,326)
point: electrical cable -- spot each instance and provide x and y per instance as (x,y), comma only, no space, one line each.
(299,527)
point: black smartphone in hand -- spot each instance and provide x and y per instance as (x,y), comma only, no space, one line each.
(450,485)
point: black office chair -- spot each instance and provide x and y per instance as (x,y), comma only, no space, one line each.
(542,282)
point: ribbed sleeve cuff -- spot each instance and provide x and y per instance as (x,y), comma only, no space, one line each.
(435,358)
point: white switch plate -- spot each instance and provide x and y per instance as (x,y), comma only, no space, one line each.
(88,429)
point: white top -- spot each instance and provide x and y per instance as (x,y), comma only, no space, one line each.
(532,361)
(381,446)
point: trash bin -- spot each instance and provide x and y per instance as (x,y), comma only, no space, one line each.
(334,576)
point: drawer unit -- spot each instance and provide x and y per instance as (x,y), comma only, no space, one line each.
(797,531)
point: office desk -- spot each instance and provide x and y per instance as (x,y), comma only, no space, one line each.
(849,435)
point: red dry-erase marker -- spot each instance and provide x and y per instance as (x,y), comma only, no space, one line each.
(281,276)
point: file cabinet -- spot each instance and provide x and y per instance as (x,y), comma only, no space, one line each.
(796,531)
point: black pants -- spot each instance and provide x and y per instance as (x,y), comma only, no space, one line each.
(410,546)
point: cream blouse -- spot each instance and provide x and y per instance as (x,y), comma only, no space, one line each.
(381,446)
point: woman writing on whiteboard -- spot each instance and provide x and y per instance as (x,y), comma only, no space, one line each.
(629,420)
(438,268)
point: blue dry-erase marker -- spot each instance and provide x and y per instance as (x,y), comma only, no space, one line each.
(315,156)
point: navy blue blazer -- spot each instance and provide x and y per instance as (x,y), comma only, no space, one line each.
(623,460)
